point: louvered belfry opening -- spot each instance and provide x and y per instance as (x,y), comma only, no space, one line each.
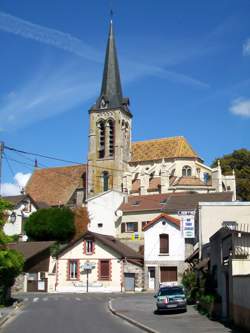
(164,243)
(111,137)
(101,150)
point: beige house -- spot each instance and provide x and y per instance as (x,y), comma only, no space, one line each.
(214,215)
(111,266)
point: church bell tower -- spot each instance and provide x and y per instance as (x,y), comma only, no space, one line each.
(110,129)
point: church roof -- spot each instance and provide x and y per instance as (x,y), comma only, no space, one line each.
(55,186)
(157,149)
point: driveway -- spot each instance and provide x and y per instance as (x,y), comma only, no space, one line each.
(141,309)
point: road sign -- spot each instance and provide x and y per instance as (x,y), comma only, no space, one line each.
(88,266)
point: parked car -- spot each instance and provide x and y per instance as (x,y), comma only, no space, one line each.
(171,298)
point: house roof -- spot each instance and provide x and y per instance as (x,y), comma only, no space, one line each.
(158,218)
(55,186)
(171,203)
(157,149)
(30,249)
(123,250)
(16,199)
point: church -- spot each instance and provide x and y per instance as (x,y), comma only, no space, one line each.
(115,163)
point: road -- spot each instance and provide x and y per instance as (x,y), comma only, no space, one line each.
(65,313)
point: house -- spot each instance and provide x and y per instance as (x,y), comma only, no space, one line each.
(23,207)
(164,251)
(214,215)
(230,270)
(136,211)
(56,187)
(111,266)
(39,266)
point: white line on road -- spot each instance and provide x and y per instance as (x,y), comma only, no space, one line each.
(78,299)
(45,299)
(35,299)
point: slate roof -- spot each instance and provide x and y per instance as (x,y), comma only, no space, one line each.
(55,186)
(111,242)
(30,249)
(159,217)
(171,203)
(157,149)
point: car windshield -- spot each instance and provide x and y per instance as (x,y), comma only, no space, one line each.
(170,291)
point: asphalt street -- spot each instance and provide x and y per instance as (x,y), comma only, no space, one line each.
(65,314)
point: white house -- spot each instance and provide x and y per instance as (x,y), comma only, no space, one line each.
(164,251)
(23,207)
(102,211)
(113,266)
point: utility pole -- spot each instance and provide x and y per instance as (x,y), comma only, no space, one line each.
(1,158)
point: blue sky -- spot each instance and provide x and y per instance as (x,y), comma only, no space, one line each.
(185,66)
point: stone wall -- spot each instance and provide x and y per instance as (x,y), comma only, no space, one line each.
(139,274)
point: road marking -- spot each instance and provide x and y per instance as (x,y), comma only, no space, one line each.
(78,299)
(35,299)
(26,299)
(45,299)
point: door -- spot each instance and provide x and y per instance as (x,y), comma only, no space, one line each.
(129,281)
(168,274)
(151,278)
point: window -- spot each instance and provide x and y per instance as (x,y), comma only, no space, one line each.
(89,246)
(186,171)
(143,224)
(230,225)
(129,227)
(73,269)
(164,243)
(105,176)
(104,270)
(111,137)
(101,149)
(100,225)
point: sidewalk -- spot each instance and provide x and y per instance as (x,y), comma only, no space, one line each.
(139,308)
(8,312)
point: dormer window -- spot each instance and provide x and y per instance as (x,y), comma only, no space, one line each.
(103,103)
(186,171)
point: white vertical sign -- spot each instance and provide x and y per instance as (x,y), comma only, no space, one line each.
(187,219)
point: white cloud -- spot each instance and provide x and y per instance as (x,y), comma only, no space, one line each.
(20,180)
(246,48)
(241,107)
(49,36)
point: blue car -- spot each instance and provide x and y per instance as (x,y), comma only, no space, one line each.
(171,298)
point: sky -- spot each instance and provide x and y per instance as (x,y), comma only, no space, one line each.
(185,65)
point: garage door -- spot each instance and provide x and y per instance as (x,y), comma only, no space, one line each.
(129,281)
(168,274)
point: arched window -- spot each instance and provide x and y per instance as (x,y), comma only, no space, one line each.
(164,243)
(101,148)
(105,177)
(111,137)
(186,171)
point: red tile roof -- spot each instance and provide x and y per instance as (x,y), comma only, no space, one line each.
(159,217)
(189,181)
(55,186)
(171,202)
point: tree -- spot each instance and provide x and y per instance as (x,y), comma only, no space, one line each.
(239,160)
(50,224)
(11,261)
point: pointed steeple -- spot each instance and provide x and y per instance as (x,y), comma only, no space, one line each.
(111,90)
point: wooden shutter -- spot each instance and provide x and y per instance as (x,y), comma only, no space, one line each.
(104,270)
(168,274)
(164,243)
(122,227)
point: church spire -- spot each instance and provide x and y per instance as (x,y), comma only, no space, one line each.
(111,90)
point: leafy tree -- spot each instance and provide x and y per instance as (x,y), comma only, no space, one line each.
(11,262)
(239,160)
(51,224)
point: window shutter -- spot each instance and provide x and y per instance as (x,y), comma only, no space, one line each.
(104,269)
(164,243)
(136,227)
(122,227)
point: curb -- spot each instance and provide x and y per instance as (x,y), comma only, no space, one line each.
(130,320)
(12,314)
